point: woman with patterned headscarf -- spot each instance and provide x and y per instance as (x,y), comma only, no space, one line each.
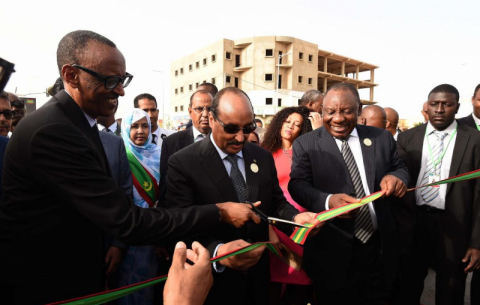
(140,263)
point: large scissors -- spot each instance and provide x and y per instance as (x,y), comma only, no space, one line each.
(272,220)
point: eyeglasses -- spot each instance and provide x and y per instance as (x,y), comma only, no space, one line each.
(110,81)
(199,110)
(8,114)
(233,129)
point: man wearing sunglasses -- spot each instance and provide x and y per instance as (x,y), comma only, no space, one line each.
(59,198)
(224,166)
(18,108)
(6,114)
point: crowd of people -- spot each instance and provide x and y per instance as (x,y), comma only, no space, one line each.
(90,203)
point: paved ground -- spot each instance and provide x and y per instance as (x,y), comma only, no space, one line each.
(428,296)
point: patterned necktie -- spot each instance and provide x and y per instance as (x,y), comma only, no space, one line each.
(363,222)
(154,141)
(237,178)
(430,193)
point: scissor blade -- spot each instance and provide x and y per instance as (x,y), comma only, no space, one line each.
(273,220)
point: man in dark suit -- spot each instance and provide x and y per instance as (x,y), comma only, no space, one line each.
(225,166)
(353,260)
(58,194)
(448,217)
(200,105)
(473,121)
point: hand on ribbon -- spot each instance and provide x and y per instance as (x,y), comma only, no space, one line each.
(392,185)
(309,217)
(187,284)
(337,200)
(241,262)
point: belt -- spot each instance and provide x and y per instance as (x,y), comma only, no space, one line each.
(430,209)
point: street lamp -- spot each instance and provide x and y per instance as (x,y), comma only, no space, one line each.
(278,78)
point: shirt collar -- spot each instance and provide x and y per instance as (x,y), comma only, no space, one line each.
(196,133)
(353,134)
(477,120)
(449,130)
(220,152)
(90,120)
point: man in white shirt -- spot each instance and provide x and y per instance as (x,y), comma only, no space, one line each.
(447,228)
(148,103)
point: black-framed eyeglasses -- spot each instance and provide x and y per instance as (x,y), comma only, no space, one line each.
(202,109)
(110,81)
(8,114)
(233,129)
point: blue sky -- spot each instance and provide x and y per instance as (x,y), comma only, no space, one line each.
(417,44)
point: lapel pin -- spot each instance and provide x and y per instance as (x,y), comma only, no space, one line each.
(254,167)
(367,142)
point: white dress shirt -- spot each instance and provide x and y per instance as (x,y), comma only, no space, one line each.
(477,120)
(228,167)
(158,135)
(439,201)
(355,147)
(197,133)
(112,128)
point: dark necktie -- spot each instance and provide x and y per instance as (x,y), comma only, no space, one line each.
(363,222)
(237,179)
(154,141)
(106,130)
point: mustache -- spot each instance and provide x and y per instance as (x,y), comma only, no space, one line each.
(235,142)
(5,125)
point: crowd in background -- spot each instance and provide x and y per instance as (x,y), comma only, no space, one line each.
(121,193)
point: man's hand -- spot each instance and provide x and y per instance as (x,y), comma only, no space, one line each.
(393,186)
(186,284)
(237,214)
(241,262)
(473,255)
(309,217)
(113,259)
(316,120)
(273,238)
(337,200)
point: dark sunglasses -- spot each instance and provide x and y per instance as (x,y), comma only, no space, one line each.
(233,129)
(8,114)
(18,104)
(202,109)
(110,81)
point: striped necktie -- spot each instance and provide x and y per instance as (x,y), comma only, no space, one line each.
(430,193)
(363,222)
(237,178)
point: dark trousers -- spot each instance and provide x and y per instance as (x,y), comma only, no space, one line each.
(366,281)
(433,245)
(475,288)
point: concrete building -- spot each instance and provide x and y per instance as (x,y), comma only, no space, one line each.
(275,71)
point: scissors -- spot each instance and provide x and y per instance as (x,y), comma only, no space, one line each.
(273,220)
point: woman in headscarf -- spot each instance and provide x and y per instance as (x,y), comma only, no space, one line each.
(140,263)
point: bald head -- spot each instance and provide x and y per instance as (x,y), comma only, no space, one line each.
(392,120)
(424,111)
(373,115)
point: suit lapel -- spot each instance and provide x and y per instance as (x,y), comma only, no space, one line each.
(458,151)
(252,178)
(368,154)
(326,142)
(213,166)
(76,115)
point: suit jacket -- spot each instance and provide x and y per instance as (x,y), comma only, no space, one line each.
(120,172)
(319,170)
(171,145)
(197,175)
(462,201)
(468,121)
(3,146)
(59,199)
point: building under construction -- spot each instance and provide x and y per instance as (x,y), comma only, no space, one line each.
(275,71)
